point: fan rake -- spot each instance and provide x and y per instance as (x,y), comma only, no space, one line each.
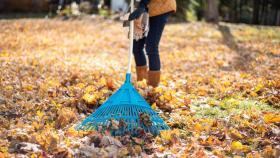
(124,110)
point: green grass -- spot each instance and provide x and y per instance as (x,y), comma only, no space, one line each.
(104,12)
(221,109)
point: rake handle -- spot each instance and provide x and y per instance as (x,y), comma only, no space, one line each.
(131,33)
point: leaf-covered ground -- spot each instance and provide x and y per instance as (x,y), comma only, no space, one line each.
(220,89)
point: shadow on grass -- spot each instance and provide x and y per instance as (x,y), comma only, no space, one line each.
(244,55)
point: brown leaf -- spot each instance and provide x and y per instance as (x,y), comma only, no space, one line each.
(65,117)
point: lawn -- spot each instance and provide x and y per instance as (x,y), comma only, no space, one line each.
(219,92)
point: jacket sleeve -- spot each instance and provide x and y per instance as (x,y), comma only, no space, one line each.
(144,3)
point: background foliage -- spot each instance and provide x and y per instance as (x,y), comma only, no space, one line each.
(265,12)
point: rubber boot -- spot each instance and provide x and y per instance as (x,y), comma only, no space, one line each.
(142,73)
(153,78)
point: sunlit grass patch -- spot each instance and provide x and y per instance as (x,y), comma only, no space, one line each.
(229,106)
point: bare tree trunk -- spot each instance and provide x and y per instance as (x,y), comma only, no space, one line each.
(232,11)
(181,10)
(240,9)
(262,12)
(256,12)
(212,13)
(16,5)
(39,5)
(236,11)
(2,5)
(278,18)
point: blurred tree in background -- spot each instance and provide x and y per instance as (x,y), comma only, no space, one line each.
(264,12)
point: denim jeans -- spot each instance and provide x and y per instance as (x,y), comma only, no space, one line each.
(151,43)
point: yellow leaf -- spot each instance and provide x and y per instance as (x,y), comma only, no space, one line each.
(272,118)
(158,90)
(250,155)
(236,145)
(275,51)
(4,155)
(53,83)
(67,142)
(28,87)
(269,152)
(235,134)
(142,83)
(218,153)
(261,128)
(167,135)
(259,87)
(253,94)
(90,89)
(226,83)
(103,81)
(213,102)
(202,92)
(244,75)
(65,117)
(174,150)
(220,62)
(40,114)
(161,98)
(4,53)
(50,125)
(257,155)
(89,98)
(9,88)
(4,149)
(245,149)
(80,85)
(48,140)
(167,96)
(56,105)
(35,125)
(161,149)
(198,127)
(33,155)
(154,106)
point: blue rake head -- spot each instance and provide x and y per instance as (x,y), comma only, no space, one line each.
(124,105)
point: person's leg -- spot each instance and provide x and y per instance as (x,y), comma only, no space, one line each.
(138,52)
(140,59)
(157,24)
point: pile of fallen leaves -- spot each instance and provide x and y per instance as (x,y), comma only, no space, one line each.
(219,91)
